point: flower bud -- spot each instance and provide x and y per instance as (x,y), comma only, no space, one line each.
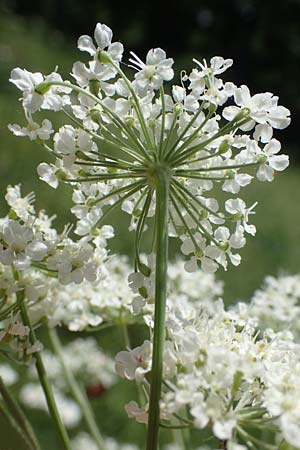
(143,292)
(178,108)
(129,121)
(103,57)
(243,114)
(95,115)
(94,86)
(60,174)
(224,147)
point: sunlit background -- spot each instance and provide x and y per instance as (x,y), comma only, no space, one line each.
(262,37)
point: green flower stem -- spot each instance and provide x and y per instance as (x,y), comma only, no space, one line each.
(113,140)
(117,121)
(105,176)
(163,118)
(162,199)
(76,391)
(136,105)
(118,202)
(217,168)
(195,199)
(19,417)
(116,192)
(172,150)
(44,379)
(181,158)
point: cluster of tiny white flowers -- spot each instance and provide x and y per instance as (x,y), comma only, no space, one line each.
(202,288)
(28,240)
(230,376)
(202,132)
(90,304)
(35,258)
(111,299)
(276,305)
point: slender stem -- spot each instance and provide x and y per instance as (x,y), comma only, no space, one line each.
(183,156)
(118,202)
(195,199)
(19,416)
(136,106)
(116,192)
(76,391)
(44,380)
(183,133)
(217,168)
(114,117)
(163,118)
(162,198)
(170,134)
(101,177)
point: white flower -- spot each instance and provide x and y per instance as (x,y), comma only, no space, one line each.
(47,172)
(103,36)
(150,75)
(271,161)
(237,208)
(134,364)
(33,130)
(22,206)
(236,181)
(16,238)
(34,100)
(137,413)
(263,110)
(217,66)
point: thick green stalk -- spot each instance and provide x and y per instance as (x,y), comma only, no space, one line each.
(45,381)
(162,198)
(77,392)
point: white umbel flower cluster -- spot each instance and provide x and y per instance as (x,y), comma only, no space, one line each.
(120,132)
(276,305)
(28,240)
(222,374)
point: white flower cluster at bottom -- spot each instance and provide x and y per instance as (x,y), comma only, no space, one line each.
(224,373)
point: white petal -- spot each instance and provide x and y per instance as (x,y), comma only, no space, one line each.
(279,162)
(103,35)
(85,44)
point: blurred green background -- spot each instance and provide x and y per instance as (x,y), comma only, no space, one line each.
(264,40)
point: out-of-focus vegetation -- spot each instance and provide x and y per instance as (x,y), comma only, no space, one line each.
(262,37)
(34,45)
